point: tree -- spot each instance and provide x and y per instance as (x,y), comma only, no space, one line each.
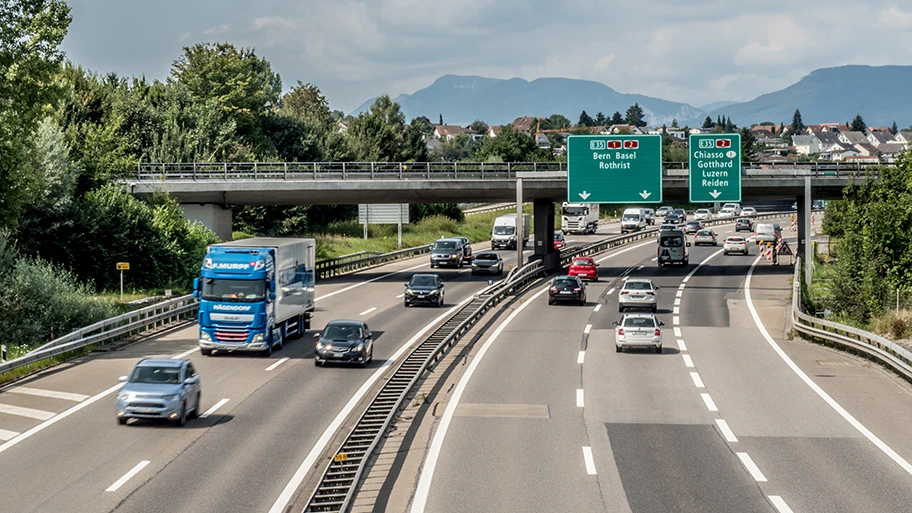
(425,124)
(600,119)
(306,103)
(617,119)
(635,116)
(797,127)
(858,124)
(585,120)
(558,122)
(894,129)
(509,146)
(441,120)
(31,32)
(749,147)
(674,123)
(707,123)
(380,134)
(478,126)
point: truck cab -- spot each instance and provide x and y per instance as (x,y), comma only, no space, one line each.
(579,218)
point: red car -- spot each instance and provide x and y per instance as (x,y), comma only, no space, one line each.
(584,267)
(559,242)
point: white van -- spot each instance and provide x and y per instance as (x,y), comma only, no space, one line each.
(633,219)
(672,248)
(768,232)
(734,206)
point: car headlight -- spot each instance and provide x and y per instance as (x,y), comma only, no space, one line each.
(170,397)
(432,293)
(258,338)
(205,336)
(359,347)
(125,396)
(453,256)
(319,345)
(409,291)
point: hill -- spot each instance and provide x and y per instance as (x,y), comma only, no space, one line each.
(463,99)
(837,94)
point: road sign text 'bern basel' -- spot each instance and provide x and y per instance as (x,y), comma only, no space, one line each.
(614,168)
(715,167)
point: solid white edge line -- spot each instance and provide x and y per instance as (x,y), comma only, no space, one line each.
(422,491)
(681,345)
(579,398)
(698,382)
(688,361)
(185,353)
(820,392)
(369,310)
(587,329)
(276,364)
(215,407)
(356,285)
(751,467)
(710,405)
(590,461)
(126,477)
(780,504)
(288,492)
(677,331)
(58,417)
(726,431)
(8,435)
(581,357)
(598,307)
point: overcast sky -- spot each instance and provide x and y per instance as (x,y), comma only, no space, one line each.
(693,51)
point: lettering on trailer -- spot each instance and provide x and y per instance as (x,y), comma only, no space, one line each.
(231,308)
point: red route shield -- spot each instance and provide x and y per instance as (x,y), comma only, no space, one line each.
(631,145)
(723,143)
(613,145)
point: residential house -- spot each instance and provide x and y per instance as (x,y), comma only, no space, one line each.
(838,151)
(627,129)
(448,132)
(676,133)
(774,159)
(342,125)
(852,138)
(866,149)
(493,131)
(827,138)
(879,129)
(888,151)
(774,145)
(878,138)
(806,144)
(862,159)
(905,137)
(527,124)
(762,133)
(834,128)
(542,141)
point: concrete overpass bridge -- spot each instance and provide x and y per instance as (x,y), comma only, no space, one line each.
(208,191)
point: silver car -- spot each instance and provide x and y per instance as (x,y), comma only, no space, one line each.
(638,330)
(707,237)
(160,388)
(637,293)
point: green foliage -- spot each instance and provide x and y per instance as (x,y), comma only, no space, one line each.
(858,124)
(600,119)
(478,126)
(895,324)
(707,123)
(636,116)
(894,129)
(419,211)
(750,149)
(798,125)
(617,119)
(511,146)
(380,135)
(585,120)
(461,147)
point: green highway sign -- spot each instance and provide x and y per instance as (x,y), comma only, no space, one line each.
(614,169)
(715,168)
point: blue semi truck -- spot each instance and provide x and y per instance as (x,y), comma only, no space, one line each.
(255,294)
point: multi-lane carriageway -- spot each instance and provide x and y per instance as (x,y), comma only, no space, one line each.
(545,416)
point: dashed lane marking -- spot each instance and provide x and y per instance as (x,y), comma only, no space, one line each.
(126,477)
(780,504)
(579,397)
(726,431)
(581,357)
(688,361)
(677,301)
(681,345)
(8,435)
(215,407)
(369,310)
(751,467)
(185,353)
(590,461)
(677,331)
(710,405)
(276,364)
(698,382)
(587,329)
(676,320)
(598,307)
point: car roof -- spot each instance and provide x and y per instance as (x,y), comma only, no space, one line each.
(453,239)
(160,362)
(485,253)
(582,258)
(566,277)
(640,315)
(435,275)
(638,280)
(343,322)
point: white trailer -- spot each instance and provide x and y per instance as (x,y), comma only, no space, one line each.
(579,218)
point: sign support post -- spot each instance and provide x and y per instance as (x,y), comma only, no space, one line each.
(122,266)
(520,229)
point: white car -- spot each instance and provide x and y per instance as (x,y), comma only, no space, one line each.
(735,244)
(637,293)
(748,211)
(702,214)
(638,330)
(727,212)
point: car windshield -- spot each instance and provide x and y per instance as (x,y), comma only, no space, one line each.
(565,283)
(575,211)
(337,332)
(583,262)
(504,230)
(637,285)
(764,228)
(163,375)
(742,220)
(486,256)
(705,233)
(234,291)
(558,236)
(702,211)
(679,211)
(423,281)
(445,244)
(671,242)
(639,322)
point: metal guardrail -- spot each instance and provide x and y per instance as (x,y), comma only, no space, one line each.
(873,346)
(346,263)
(192,171)
(110,330)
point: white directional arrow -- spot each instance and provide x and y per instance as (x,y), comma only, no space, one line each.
(645,194)
(584,195)
(715,194)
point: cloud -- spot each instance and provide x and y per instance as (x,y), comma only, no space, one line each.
(183,37)
(215,31)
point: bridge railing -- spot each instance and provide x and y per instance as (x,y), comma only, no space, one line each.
(192,171)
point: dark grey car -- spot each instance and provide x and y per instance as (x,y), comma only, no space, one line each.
(424,289)
(344,342)
(448,252)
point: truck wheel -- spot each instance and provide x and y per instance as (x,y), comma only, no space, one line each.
(268,351)
(206,352)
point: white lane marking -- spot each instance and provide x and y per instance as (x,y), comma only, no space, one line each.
(677,331)
(465,270)
(681,345)
(676,320)
(610,291)
(598,307)
(400,296)
(590,461)
(726,431)
(8,435)
(369,310)
(581,357)
(654,259)
(579,397)
(681,286)
(698,382)
(356,285)
(710,405)
(288,492)
(676,310)
(780,504)
(276,364)
(679,293)
(430,463)
(688,361)
(820,392)
(26,412)
(640,268)
(686,278)
(58,417)
(677,301)
(185,353)
(215,407)
(587,329)
(48,393)
(751,467)
(126,477)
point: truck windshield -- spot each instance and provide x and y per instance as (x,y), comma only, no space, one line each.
(630,217)
(504,230)
(576,211)
(234,291)
(444,244)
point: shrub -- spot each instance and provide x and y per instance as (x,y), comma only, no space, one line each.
(894,324)
(438,225)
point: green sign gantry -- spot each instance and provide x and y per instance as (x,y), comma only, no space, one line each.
(715,168)
(614,168)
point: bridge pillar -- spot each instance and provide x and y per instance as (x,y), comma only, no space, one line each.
(543,210)
(214,217)
(804,229)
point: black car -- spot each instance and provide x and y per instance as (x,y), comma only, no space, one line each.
(745,224)
(448,252)
(567,288)
(673,219)
(681,214)
(487,262)
(424,288)
(344,342)
(693,227)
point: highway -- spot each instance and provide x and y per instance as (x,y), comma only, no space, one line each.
(61,449)
(548,417)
